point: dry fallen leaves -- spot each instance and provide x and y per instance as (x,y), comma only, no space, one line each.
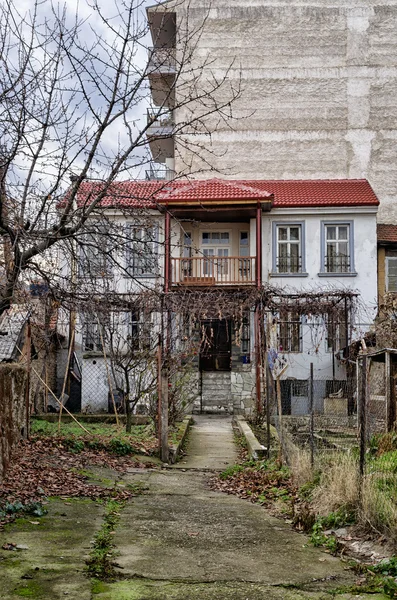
(44,467)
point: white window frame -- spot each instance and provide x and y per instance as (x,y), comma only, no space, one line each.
(390,259)
(350,244)
(287,320)
(301,271)
(142,254)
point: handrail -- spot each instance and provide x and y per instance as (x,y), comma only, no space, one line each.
(213,270)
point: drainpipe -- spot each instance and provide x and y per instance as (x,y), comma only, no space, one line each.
(167,251)
(258,359)
(258,281)
(258,278)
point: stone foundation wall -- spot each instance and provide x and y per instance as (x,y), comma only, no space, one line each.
(243,390)
(12,413)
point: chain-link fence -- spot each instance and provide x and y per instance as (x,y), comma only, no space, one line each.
(341,432)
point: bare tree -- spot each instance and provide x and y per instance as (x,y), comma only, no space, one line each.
(72,90)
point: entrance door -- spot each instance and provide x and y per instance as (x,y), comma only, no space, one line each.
(215,353)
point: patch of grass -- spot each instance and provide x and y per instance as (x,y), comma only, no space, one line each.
(98,587)
(30,589)
(100,563)
(339,518)
(231,471)
(137,487)
(101,436)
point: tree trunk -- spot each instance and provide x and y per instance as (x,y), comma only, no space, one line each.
(128,410)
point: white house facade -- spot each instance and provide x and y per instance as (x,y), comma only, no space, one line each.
(290,239)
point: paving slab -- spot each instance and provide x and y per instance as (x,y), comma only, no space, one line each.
(52,564)
(211,444)
(204,536)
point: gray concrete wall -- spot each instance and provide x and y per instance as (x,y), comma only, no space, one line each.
(319,87)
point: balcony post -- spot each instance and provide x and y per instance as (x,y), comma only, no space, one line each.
(167,251)
(258,273)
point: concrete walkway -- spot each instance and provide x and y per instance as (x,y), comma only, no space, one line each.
(178,541)
(211,444)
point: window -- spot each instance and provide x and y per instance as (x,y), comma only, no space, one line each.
(244,243)
(187,265)
(94,331)
(391,273)
(142,251)
(335,332)
(338,248)
(215,249)
(289,332)
(244,265)
(289,248)
(215,238)
(96,252)
(139,330)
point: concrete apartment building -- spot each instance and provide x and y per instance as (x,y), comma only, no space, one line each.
(318,89)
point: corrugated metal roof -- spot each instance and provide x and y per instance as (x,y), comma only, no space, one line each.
(11,325)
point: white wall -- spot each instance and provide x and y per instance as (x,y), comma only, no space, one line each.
(365,282)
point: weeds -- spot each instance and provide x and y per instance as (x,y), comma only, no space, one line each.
(230,471)
(102,436)
(100,563)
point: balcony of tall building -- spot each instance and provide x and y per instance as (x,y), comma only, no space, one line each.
(160,133)
(157,172)
(161,60)
(161,74)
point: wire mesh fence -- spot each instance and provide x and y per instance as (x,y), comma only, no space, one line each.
(343,430)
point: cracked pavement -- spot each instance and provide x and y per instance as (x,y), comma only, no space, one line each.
(178,541)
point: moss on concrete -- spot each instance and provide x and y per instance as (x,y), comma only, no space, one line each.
(138,589)
(51,565)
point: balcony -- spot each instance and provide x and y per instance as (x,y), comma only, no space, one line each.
(161,72)
(155,174)
(213,271)
(160,133)
(161,61)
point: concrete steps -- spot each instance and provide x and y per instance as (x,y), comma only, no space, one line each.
(216,396)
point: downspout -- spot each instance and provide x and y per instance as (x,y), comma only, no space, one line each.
(258,316)
(167,251)
(258,278)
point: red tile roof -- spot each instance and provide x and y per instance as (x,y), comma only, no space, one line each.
(213,189)
(387,233)
(287,193)
(123,194)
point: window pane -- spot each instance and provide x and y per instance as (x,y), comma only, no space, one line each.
(294,233)
(392,266)
(294,258)
(215,237)
(225,237)
(206,237)
(392,284)
(282,233)
(283,258)
(343,233)
(243,238)
(188,239)
(343,248)
(331,233)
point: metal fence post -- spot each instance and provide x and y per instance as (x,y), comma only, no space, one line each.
(363,420)
(311,400)
(268,440)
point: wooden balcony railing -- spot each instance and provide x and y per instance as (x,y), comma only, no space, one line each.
(213,270)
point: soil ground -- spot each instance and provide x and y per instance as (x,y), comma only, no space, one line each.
(177,541)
